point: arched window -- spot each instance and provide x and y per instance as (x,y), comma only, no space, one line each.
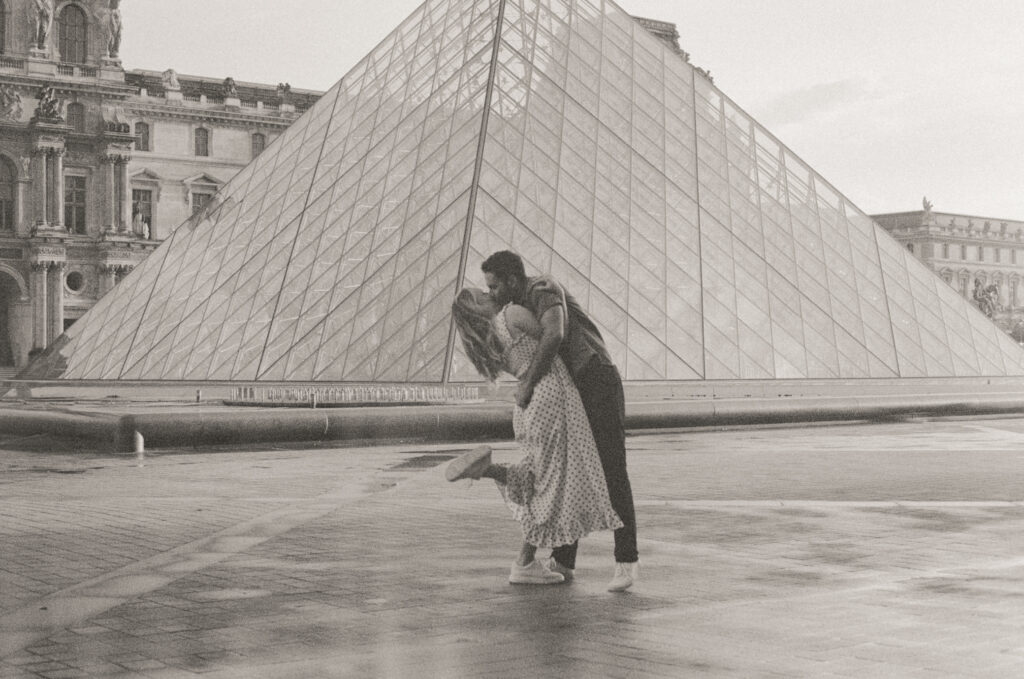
(8,187)
(141,136)
(71,34)
(202,141)
(259,142)
(76,117)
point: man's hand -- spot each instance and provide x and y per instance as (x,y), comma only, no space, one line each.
(524,393)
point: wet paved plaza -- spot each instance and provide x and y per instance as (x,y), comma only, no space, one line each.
(858,550)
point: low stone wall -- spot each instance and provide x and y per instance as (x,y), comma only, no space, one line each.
(172,427)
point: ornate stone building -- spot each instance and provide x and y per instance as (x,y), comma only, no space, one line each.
(99,164)
(967,250)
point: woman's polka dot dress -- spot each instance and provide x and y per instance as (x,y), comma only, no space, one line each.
(558,491)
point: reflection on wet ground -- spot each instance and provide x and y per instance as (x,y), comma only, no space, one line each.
(869,550)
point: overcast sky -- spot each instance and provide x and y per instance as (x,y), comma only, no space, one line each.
(890,100)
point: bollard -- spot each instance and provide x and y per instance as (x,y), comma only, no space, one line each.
(139,446)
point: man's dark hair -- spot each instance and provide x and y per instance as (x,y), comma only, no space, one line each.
(505,264)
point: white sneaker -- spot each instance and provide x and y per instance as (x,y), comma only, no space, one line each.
(556,567)
(534,573)
(625,575)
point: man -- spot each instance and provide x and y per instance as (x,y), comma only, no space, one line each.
(566,330)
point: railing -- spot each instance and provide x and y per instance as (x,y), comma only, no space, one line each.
(76,71)
(11,62)
(313,396)
(270,108)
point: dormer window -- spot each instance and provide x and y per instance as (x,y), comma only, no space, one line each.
(72,28)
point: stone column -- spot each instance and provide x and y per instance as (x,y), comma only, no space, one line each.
(21,213)
(39,305)
(109,195)
(21,338)
(57,187)
(39,159)
(124,196)
(56,289)
(51,181)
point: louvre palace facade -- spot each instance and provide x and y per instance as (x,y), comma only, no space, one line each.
(98,164)
(965,251)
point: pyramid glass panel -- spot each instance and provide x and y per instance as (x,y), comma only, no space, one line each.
(701,246)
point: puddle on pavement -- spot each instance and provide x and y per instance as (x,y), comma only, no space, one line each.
(52,470)
(425,459)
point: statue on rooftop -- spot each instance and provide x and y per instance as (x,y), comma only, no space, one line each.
(170,80)
(284,91)
(926,216)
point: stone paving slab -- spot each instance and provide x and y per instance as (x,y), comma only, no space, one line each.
(890,550)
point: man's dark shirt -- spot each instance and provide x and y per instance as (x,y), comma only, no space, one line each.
(582,341)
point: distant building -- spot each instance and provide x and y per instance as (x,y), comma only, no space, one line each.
(669,34)
(99,164)
(963,249)
(662,30)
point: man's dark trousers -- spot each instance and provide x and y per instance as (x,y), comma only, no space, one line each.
(600,389)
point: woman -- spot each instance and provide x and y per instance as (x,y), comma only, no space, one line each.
(557,492)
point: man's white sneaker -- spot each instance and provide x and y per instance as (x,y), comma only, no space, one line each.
(556,567)
(534,573)
(625,575)
(469,465)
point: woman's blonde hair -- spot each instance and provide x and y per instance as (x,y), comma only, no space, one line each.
(479,339)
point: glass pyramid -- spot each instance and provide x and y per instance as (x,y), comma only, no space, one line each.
(702,247)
